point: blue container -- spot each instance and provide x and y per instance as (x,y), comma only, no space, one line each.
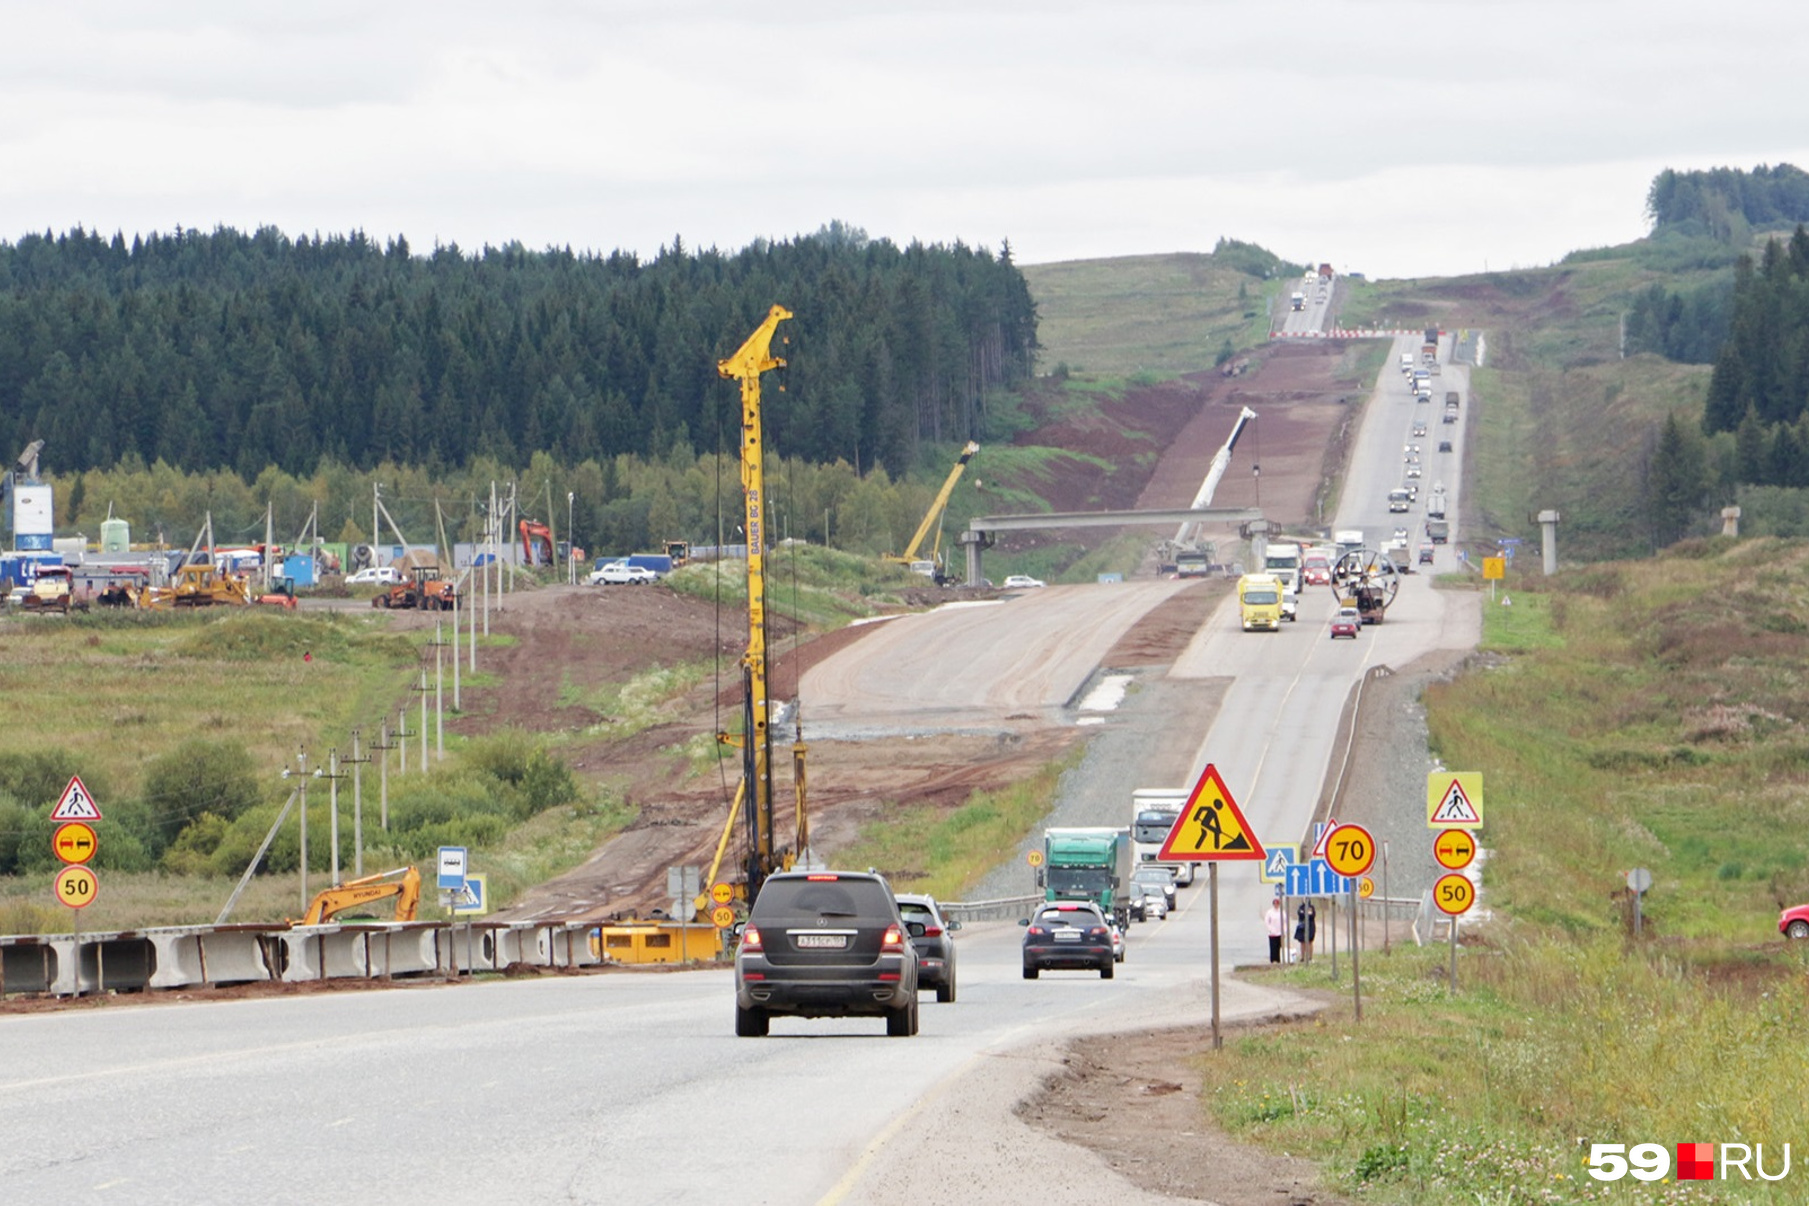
(299,569)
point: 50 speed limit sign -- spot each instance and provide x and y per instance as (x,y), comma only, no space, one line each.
(76,886)
(1453,894)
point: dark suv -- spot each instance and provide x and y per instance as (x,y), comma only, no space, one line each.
(934,937)
(1069,934)
(825,944)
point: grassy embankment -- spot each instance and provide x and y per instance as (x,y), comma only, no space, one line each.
(1634,714)
(1105,327)
(108,695)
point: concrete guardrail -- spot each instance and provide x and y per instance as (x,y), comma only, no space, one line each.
(159,959)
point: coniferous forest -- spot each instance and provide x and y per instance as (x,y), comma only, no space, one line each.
(1760,386)
(238,351)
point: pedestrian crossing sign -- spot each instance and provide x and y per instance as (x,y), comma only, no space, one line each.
(1211,827)
(1276,862)
(75,804)
(1454,800)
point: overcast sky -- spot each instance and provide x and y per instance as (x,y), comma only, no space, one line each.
(1400,139)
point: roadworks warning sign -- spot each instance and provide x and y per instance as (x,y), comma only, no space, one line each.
(1454,800)
(1211,827)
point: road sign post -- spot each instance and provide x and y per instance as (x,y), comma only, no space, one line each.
(75,804)
(1211,829)
(75,842)
(1351,851)
(1454,800)
(1639,881)
(1453,894)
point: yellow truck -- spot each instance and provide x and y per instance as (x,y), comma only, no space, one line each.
(1259,602)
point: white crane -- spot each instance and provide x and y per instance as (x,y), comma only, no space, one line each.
(1221,459)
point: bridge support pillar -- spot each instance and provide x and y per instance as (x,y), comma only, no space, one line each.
(974,542)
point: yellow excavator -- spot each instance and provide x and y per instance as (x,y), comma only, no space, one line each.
(931,567)
(340,897)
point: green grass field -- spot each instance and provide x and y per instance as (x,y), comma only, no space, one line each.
(1632,714)
(114,696)
(1149,318)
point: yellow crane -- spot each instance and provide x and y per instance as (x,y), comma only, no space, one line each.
(931,517)
(756,790)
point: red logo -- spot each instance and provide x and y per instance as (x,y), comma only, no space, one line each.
(1695,1162)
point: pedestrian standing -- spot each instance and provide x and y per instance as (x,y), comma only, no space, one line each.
(1274,921)
(1306,928)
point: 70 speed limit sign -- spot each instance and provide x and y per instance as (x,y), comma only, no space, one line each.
(1350,850)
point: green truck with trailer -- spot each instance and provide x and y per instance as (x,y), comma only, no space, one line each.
(1089,864)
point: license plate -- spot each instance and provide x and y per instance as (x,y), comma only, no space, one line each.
(1068,936)
(824,942)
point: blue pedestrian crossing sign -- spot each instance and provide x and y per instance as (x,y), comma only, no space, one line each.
(1277,861)
(473,896)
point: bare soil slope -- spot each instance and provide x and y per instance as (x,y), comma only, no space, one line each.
(571,643)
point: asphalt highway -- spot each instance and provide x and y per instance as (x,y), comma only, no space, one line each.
(630,1087)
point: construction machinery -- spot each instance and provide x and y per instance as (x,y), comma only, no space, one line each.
(1367,580)
(1187,555)
(537,543)
(424,589)
(197,586)
(53,590)
(404,883)
(755,793)
(931,566)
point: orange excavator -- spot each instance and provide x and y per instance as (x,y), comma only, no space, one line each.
(537,544)
(340,897)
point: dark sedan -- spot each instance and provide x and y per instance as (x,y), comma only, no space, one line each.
(825,944)
(1072,934)
(933,936)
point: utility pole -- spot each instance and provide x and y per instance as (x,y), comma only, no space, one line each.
(357,761)
(333,776)
(508,584)
(301,773)
(495,564)
(456,588)
(384,744)
(401,735)
(439,692)
(423,690)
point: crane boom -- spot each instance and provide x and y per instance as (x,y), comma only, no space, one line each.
(935,511)
(1221,460)
(752,359)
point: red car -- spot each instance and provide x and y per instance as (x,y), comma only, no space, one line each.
(1346,622)
(1794,923)
(1316,570)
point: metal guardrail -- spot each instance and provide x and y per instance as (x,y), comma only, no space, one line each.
(207,956)
(1006,908)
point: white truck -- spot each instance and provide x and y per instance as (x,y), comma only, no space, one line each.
(1153,813)
(1283,559)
